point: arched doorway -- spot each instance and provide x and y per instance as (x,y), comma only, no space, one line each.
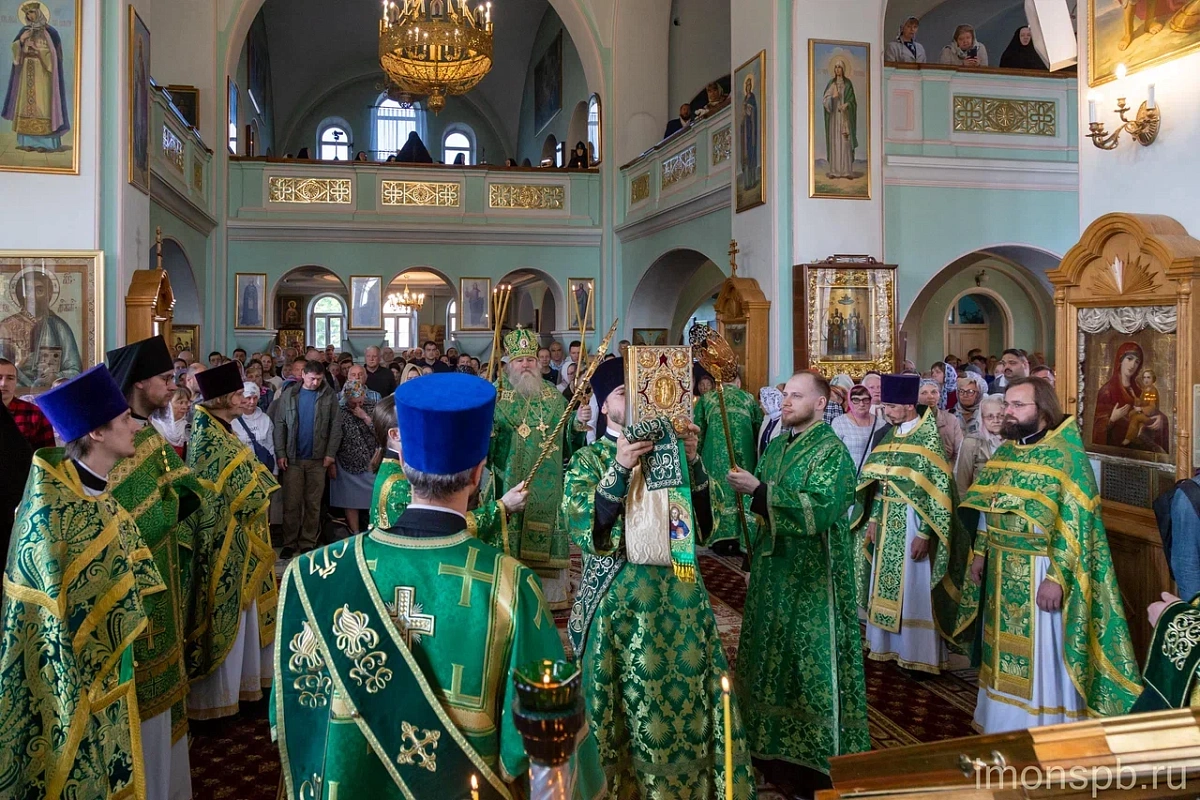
(312,299)
(188,309)
(535,301)
(675,286)
(436,318)
(991,299)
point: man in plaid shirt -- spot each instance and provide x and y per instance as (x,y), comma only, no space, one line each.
(29,418)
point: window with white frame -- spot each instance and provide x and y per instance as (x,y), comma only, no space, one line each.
(457,143)
(593,127)
(452,317)
(399,325)
(334,144)
(393,124)
(327,321)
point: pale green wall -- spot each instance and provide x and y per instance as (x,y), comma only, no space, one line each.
(708,234)
(574,90)
(354,103)
(195,246)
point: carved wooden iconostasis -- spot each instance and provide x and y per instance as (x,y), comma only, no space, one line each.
(1125,317)
(744,319)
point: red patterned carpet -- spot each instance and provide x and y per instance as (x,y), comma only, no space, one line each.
(238,761)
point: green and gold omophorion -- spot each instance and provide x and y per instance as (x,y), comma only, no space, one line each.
(165,500)
(393,494)
(235,561)
(745,418)
(73,606)
(1041,500)
(652,660)
(800,670)
(393,670)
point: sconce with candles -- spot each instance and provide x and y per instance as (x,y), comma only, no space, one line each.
(1143,128)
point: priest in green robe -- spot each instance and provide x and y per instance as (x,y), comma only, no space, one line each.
(800,670)
(392,494)
(396,677)
(527,412)
(745,418)
(75,587)
(916,549)
(644,632)
(230,641)
(1055,645)
(165,499)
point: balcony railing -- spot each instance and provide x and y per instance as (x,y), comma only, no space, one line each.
(178,156)
(410,195)
(692,163)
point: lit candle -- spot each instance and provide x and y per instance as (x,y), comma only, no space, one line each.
(1122,71)
(1150,104)
(728,738)
(474,788)
(546,678)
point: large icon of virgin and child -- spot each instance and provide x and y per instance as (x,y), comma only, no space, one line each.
(1128,412)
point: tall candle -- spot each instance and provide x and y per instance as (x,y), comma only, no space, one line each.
(1093,117)
(474,788)
(1150,97)
(728,738)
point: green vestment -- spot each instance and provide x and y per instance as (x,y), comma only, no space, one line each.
(77,573)
(394,684)
(393,494)
(537,536)
(652,661)
(800,670)
(1041,500)
(1173,660)
(745,418)
(904,471)
(165,500)
(235,564)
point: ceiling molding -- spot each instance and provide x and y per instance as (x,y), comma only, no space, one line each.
(389,233)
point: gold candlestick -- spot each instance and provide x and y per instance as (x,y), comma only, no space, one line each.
(728,738)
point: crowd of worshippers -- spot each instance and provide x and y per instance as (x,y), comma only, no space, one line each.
(964,50)
(414,151)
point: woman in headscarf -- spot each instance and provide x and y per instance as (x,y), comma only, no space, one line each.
(410,371)
(948,427)
(1123,397)
(579,157)
(978,447)
(353,444)
(905,48)
(771,400)
(173,422)
(414,151)
(1021,54)
(946,377)
(964,51)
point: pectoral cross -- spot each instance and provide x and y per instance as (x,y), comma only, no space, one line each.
(408,617)
(542,427)
(469,575)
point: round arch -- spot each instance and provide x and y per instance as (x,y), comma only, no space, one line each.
(680,279)
(550,150)
(529,276)
(189,310)
(310,328)
(577,127)
(1001,304)
(299,272)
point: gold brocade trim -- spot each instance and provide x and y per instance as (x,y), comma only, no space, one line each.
(938,496)
(309,190)
(418,543)
(914,449)
(1035,710)
(916,666)
(1064,480)
(1007,115)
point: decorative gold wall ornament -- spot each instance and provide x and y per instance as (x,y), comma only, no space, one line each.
(722,145)
(844,317)
(552,197)
(1005,115)
(1143,128)
(172,148)
(639,188)
(434,49)
(679,167)
(420,193)
(1126,278)
(309,190)
(198,175)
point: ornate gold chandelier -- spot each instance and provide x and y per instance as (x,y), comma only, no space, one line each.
(434,48)
(406,300)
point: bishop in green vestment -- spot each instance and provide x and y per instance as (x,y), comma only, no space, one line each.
(165,500)
(800,671)
(396,677)
(392,493)
(235,595)
(644,633)
(1055,645)
(77,577)
(745,418)
(527,412)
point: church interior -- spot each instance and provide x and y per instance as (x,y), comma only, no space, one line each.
(265,175)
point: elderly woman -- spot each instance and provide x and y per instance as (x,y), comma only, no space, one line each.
(353,445)
(839,393)
(946,377)
(978,447)
(964,51)
(948,427)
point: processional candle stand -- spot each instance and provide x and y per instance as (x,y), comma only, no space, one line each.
(549,715)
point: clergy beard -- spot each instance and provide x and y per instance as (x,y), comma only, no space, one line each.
(526,384)
(1016,431)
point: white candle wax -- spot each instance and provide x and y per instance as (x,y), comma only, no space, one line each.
(1150,104)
